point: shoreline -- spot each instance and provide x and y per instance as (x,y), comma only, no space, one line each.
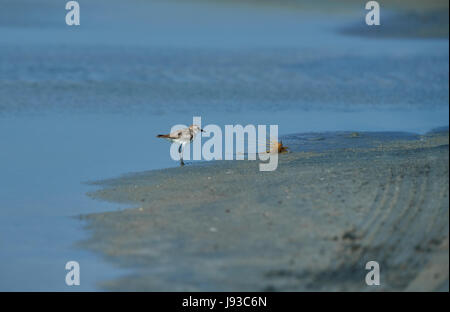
(310,225)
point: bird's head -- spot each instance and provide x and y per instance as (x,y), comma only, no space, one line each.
(196,129)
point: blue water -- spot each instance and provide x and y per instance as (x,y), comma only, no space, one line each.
(82,104)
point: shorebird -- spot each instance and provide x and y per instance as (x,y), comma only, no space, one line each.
(182,137)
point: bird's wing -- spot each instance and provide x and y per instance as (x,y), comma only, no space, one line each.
(173,136)
(176,134)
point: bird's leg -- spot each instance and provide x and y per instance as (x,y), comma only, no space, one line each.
(180,150)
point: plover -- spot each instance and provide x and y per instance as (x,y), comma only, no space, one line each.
(182,137)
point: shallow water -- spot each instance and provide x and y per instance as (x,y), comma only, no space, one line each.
(83,104)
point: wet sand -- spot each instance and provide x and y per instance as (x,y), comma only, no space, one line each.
(311,225)
(425,24)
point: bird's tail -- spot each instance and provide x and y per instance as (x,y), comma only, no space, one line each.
(165,136)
